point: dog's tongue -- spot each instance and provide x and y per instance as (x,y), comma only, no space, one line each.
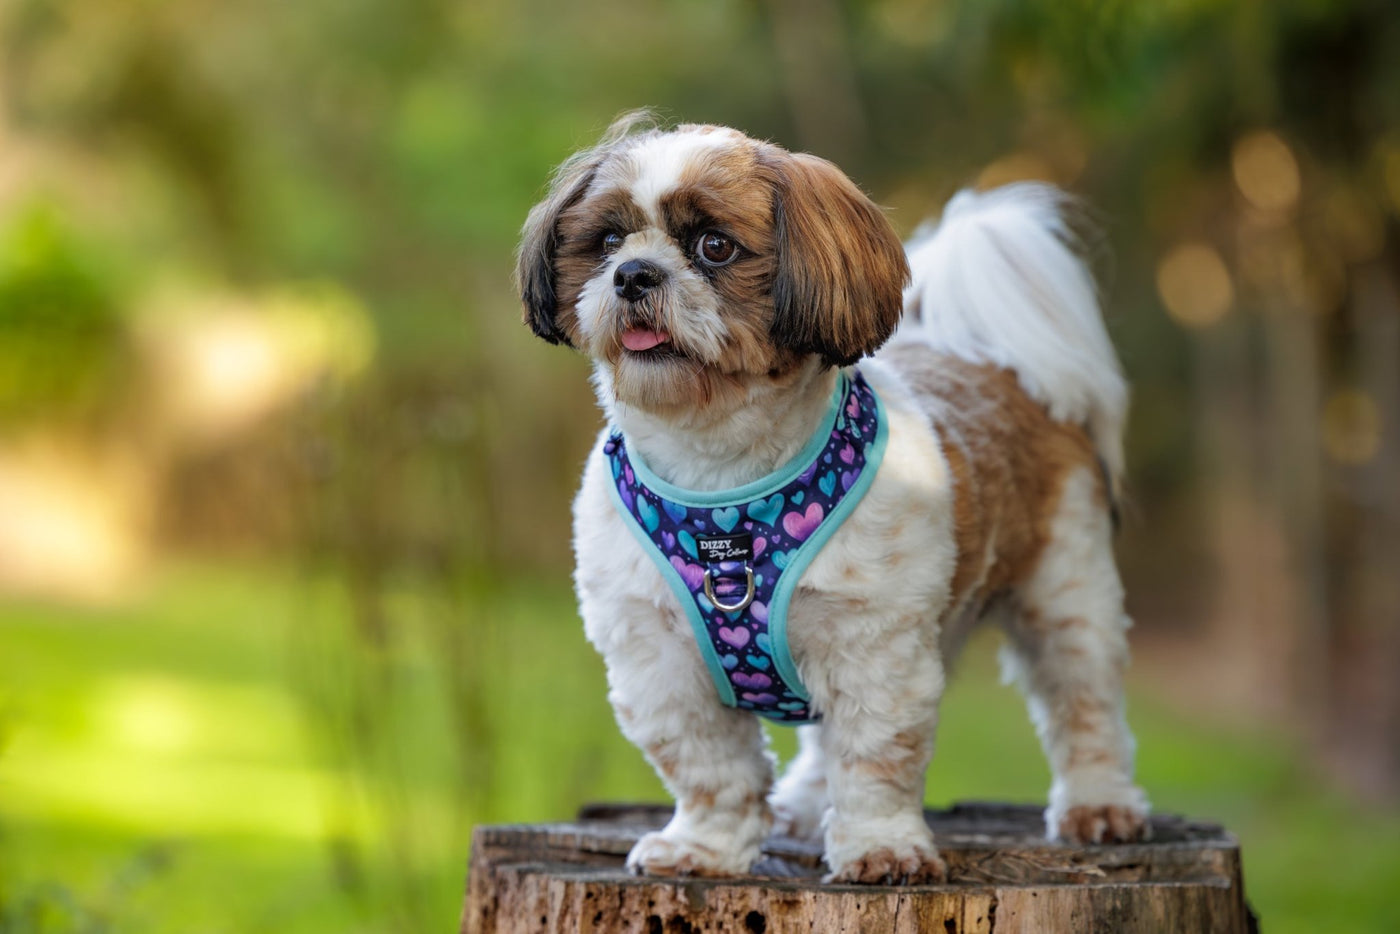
(638,340)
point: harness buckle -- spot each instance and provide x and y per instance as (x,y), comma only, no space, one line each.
(726,607)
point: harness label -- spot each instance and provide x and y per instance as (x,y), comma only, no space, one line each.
(716,548)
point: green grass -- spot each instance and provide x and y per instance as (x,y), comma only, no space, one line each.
(166,768)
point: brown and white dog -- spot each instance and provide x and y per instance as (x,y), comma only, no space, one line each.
(719,283)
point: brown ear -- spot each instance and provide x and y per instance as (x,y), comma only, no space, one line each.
(841,271)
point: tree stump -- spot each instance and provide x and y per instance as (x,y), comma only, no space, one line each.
(1003,877)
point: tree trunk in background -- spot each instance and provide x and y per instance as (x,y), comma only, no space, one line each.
(1365,730)
(819,79)
(1276,643)
(1294,476)
(1246,656)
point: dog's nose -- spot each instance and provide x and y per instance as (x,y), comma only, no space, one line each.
(635,278)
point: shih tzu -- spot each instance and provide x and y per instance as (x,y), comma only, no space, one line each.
(826,458)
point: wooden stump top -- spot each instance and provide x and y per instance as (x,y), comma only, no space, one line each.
(1003,876)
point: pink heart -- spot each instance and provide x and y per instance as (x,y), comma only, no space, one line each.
(799,526)
(737,637)
(758,545)
(692,574)
(758,698)
(848,454)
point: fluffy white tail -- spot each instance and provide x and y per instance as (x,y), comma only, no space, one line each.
(999,279)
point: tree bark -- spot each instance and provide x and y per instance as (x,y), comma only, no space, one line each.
(1003,877)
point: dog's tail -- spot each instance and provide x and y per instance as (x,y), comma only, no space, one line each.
(1000,279)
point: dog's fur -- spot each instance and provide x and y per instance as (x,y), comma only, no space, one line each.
(1005,406)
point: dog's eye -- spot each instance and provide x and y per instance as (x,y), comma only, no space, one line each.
(715,249)
(611,241)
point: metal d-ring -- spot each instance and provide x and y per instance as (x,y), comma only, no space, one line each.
(729,608)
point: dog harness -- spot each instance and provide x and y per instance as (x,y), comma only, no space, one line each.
(733,557)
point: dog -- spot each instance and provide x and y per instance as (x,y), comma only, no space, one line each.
(826,458)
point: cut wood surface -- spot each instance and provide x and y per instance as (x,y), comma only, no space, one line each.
(1003,877)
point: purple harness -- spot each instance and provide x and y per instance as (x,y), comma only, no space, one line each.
(734,557)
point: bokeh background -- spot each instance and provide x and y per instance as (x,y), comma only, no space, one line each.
(284,484)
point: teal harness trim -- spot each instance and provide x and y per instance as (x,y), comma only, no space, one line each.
(792,575)
(733,558)
(761,488)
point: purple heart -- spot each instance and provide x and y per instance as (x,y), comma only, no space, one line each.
(800,525)
(806,476)
(692,574)
(759,611)
(628,471)
(669,540)
(737,637)
(848,478)
(848,454)
(626,495)
(756,681)
(758,698)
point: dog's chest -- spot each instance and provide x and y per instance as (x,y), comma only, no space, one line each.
(888,562)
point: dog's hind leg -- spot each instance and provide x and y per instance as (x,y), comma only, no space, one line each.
(1067,650)
(800,798)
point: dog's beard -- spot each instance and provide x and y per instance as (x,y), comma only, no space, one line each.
(663,376)
(659,355)
(659,382)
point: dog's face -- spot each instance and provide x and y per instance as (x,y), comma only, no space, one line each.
(694,262)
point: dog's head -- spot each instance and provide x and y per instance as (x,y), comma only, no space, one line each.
(692,260)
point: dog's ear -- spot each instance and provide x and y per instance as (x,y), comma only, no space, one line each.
(539,239)
(539,244)
(839,284)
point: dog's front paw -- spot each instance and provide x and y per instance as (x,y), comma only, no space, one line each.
(660,854)
(904,865)
(1107,823)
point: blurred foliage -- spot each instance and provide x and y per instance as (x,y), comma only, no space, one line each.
(55,908)
(63,345)
(289,177)
(395,148)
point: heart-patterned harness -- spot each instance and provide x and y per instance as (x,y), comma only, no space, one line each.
(734,557)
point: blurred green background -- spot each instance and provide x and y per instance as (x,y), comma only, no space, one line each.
(284,485)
